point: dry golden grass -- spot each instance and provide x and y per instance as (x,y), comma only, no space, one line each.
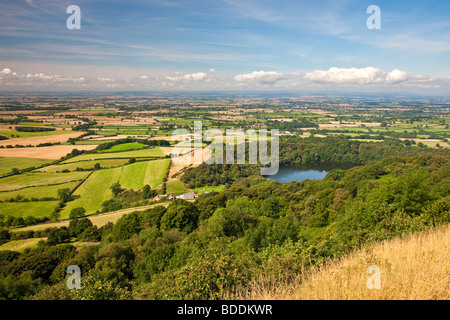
(416,267)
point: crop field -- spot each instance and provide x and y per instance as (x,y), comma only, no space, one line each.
(19,134)
(136,175)
(52,152)
(37,191)
(144,153)
(38,209)
(126,147)
(7,164)
(29,179)
(86,165)
(94,191)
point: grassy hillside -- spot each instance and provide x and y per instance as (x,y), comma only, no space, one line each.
(94,191)
(415,267)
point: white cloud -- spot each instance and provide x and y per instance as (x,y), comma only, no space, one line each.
(212,70)
(396,76)
(263,77)
(105,79)
(188,77)
(7,71)
(267,80)
(369,75)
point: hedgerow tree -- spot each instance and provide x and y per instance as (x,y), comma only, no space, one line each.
(77,213)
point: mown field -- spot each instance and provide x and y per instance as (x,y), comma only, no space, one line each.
(93,192)
(126,147)
(85,165)
(38,209)
(38,191)
(7,164)
(29,179)
(144,153)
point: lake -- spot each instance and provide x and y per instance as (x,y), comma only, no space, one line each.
(312,171)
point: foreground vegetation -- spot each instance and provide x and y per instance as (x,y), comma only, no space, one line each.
(414,267)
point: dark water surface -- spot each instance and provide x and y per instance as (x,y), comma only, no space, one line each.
(312,171)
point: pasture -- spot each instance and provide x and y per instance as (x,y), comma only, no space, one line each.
(7,164)
(93,192)
(144,153)
(136,175)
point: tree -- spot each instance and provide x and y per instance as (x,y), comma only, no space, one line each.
(30,220)
(116,189)
(97,166)
(58,235)
(152,217)
(181,215)
(127,226)
(147,192)
(64,195)
(78,226)
(15,171)
(18,221)
(5,235)
(77,213)
(55,215)
(132,160)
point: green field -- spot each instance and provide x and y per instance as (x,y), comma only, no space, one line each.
(20,245)
(175,187)
(89,142)
(7,164)
(152,152)
(94,191)
(209,189)
(18,134)
(107,163)
(38,192)
(38,179)
(22,209)
(136,175)
(126,147)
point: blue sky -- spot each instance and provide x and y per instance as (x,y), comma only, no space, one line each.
(225,45)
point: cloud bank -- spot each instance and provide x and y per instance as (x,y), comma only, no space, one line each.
(333,78)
